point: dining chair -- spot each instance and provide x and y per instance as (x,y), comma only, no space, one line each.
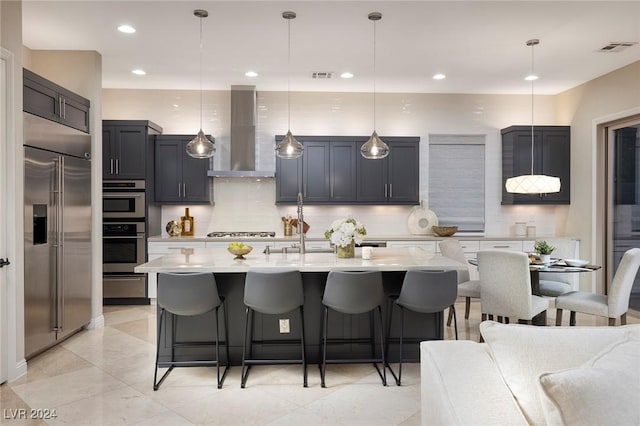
(467,287)
(613,305)
(505,286)
(554,284)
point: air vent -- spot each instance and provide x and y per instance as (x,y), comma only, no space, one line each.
(322,74)
(617,46)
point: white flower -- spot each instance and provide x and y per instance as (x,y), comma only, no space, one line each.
(345,231)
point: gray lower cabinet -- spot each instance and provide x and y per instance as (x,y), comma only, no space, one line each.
(332,171)
(551,156)
(127,149)
(179,178)
(48,100)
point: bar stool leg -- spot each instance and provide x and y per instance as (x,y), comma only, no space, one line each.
(156,385)
(399,379)
(386,352)
(304,349)
(218,347)
(325,320)
(244,375)
(455,320)
(384,361)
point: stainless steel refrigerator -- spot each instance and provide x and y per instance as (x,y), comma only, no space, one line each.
(57,232)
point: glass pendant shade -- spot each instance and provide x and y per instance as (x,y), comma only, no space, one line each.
(289,148)
(533,184)
(201,146)
(374,148)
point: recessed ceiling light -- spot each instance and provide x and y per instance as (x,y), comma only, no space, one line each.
(139,72)
(251,74)
(127,29)
(439,76)
(346,75)
(531,77)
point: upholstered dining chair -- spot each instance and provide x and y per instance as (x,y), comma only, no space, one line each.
(553,284)
(612,306)
(467,287)
(505,286)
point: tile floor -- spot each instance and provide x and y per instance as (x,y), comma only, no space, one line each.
(104,377)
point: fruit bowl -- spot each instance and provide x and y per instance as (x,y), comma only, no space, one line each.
(444,231)
(576,262)
(239,252)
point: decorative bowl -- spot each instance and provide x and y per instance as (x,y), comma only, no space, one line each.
(240,252)
(174,228)
(444,231)
(576,262)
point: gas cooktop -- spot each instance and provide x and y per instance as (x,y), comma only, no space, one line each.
(221,234)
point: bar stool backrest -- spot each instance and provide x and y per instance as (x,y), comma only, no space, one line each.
(353,292)
(188,293)
(453,250)
(273,291)
(428,291)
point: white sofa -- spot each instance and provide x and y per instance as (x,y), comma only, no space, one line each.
(533,375)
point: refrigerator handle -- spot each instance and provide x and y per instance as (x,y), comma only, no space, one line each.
(59,282)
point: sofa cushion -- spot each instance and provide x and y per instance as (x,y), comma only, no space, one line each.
(605,390)
(523,352)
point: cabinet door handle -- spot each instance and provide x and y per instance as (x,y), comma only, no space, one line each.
(501,246)
(390,190)
(184,190)
(64,108)
(331,189)
(179,186)
(385,190)
(111,166)
(117,166)
(60,106)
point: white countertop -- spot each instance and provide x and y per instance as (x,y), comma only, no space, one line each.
(220,260)
(294,239)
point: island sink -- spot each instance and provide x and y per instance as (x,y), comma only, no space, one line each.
(296,249)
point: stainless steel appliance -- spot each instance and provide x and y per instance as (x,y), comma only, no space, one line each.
(123,246)
(123,199)
(57,235)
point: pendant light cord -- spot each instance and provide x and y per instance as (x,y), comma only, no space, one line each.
(201,73)
(289,74)
(532,138)
(374,75)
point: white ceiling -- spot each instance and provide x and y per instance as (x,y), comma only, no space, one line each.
(479,45)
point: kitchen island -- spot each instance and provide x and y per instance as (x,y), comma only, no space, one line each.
(230,274)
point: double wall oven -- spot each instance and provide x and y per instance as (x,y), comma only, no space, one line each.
(124,241)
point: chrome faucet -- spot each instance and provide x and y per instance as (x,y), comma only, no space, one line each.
(300,223)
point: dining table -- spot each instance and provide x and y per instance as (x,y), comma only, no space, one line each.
(556,266)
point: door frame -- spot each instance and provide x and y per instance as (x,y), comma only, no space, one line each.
(602,246)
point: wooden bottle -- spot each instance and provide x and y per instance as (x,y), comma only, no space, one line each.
(187,223)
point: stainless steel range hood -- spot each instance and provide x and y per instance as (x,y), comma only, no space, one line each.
(243,136)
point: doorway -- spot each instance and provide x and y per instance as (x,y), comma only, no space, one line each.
(4,119)
(623,196)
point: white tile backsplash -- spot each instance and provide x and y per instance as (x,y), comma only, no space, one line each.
(244,204)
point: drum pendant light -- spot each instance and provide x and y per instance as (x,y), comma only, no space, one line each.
(374,148)
(532,184)
(289,148)
(201,146)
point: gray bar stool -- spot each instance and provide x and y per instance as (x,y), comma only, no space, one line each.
(425,292)
(354,293)
(189,294)
(271,292)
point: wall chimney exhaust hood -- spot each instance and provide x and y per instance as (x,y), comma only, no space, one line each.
(242,136)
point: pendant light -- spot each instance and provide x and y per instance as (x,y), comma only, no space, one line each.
(532,184)
(374,148)
(289,148)
(201,146)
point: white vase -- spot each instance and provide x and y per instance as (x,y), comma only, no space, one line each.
(545,258)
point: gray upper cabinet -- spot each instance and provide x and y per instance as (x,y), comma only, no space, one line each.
(46,99)
(332,171)
(127,149)
(551,156)
(394,179)
(179,178)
